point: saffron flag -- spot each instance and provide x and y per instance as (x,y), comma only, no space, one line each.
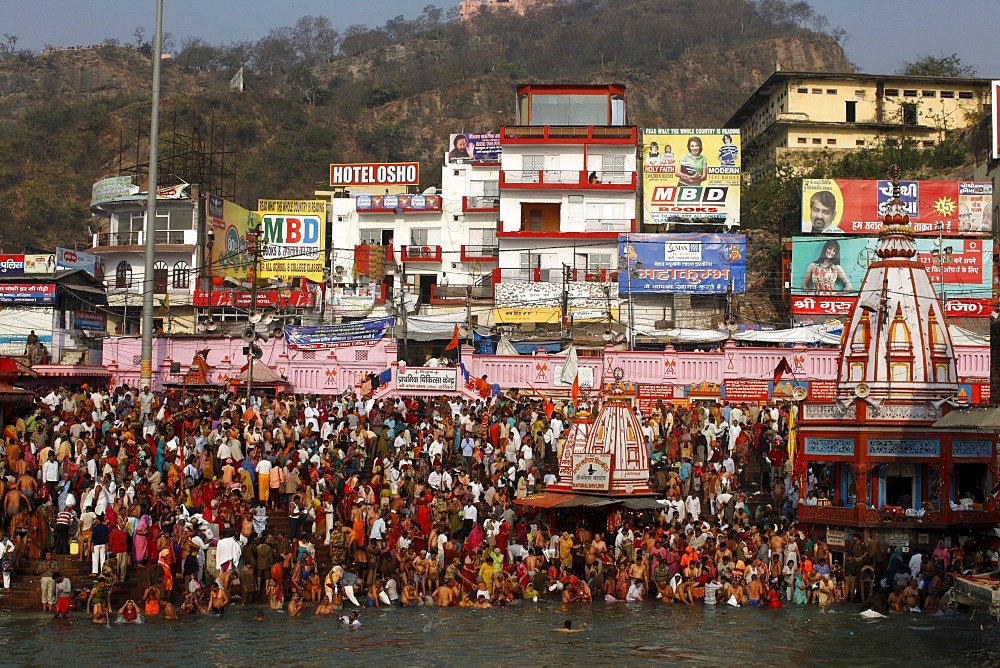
(454,340)
(780,370)
(575,392)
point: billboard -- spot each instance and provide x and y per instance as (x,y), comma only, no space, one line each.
(11,265)
(706,264)
(27,293)
(44,263)
(358,333)
(293,236)
(392,202)
(71,259)
(963,269)
(843,206)
(375,174)
(121,189)
(424,378)
(541,302)
(691,176)
(474,147)
(230,223)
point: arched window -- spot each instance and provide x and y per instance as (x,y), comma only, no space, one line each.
(160,278)
(182,276)
(123,275)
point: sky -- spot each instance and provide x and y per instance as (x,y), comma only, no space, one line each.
(884,33)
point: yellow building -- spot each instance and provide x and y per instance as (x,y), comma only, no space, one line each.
(808,111)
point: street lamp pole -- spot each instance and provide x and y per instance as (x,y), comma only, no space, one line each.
(146,368)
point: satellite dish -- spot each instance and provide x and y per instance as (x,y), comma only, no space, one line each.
(255,316)
(430,191)
(861,390)
(799,393)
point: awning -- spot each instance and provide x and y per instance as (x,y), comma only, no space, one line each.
(15,395)
(571,500)
(70,370)
(431,327)
(564,500)
(986,418)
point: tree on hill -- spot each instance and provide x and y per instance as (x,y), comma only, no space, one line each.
(938,66)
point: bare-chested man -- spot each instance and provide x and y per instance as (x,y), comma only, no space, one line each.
(13,501)
(444,596)
(420,566)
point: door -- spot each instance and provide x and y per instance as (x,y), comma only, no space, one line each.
(852,112)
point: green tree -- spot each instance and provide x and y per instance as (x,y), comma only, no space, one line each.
(938,66)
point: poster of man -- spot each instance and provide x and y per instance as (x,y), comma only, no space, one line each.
(822,207)
(466,147)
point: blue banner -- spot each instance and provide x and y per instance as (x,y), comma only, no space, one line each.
(705,264)
(357,333)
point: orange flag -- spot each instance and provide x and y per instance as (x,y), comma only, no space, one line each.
(454,340)
(575,392)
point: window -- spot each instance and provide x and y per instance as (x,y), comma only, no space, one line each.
(892,141)
(160,278)
(947,95)
(596,261)
(531,165)
(817,91)
(927,143)
(371,237)
(910,113)
(802,140)
(928,93)
(170,224)
(831,91)
(418,236)
(909,92)
(859,93)
(182,276)
(802,90)
(965,95)
(831,141)
(817,140)
(859,142)
(484,188)
(123,275)
(892,92)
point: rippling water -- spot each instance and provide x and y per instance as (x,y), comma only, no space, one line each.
(618,633)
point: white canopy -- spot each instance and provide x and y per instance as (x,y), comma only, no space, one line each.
(505,347)
(794,335)
(687,335)
(429,327)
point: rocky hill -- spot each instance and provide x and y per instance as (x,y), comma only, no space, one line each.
(68,118)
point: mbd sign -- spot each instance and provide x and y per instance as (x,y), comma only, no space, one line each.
(592,473)
(292,240)
(689,199)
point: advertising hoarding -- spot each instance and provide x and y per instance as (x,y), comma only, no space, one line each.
(389,202)
(592,472)
(375,174)
(73,259)
(541,301)
(966,266)
(11,265)
(293,236)
(474,147)
(27,293)
(230,223)
(682,263)
(44,263)
(691,176)
(844,206)
(362,332)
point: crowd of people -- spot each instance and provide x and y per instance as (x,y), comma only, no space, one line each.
(414,501)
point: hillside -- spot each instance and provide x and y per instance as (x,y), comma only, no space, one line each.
(72,117)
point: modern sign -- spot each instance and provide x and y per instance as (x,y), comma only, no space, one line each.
(425,378)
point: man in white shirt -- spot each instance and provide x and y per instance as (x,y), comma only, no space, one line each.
(470,515)
(378,530)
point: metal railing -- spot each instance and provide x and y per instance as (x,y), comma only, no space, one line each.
(175,237)
(481,251)
(609,225)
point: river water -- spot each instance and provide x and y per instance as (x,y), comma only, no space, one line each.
(618,633)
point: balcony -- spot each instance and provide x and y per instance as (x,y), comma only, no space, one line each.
(458,294)
(567,134)
(479,204)
(593,228)
(563,178)
(420,254)
(480,253)
(554,275)
(610,225)
(168,238)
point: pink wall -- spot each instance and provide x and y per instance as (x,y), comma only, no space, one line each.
(333,371)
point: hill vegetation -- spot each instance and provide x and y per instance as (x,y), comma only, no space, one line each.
(315,96)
